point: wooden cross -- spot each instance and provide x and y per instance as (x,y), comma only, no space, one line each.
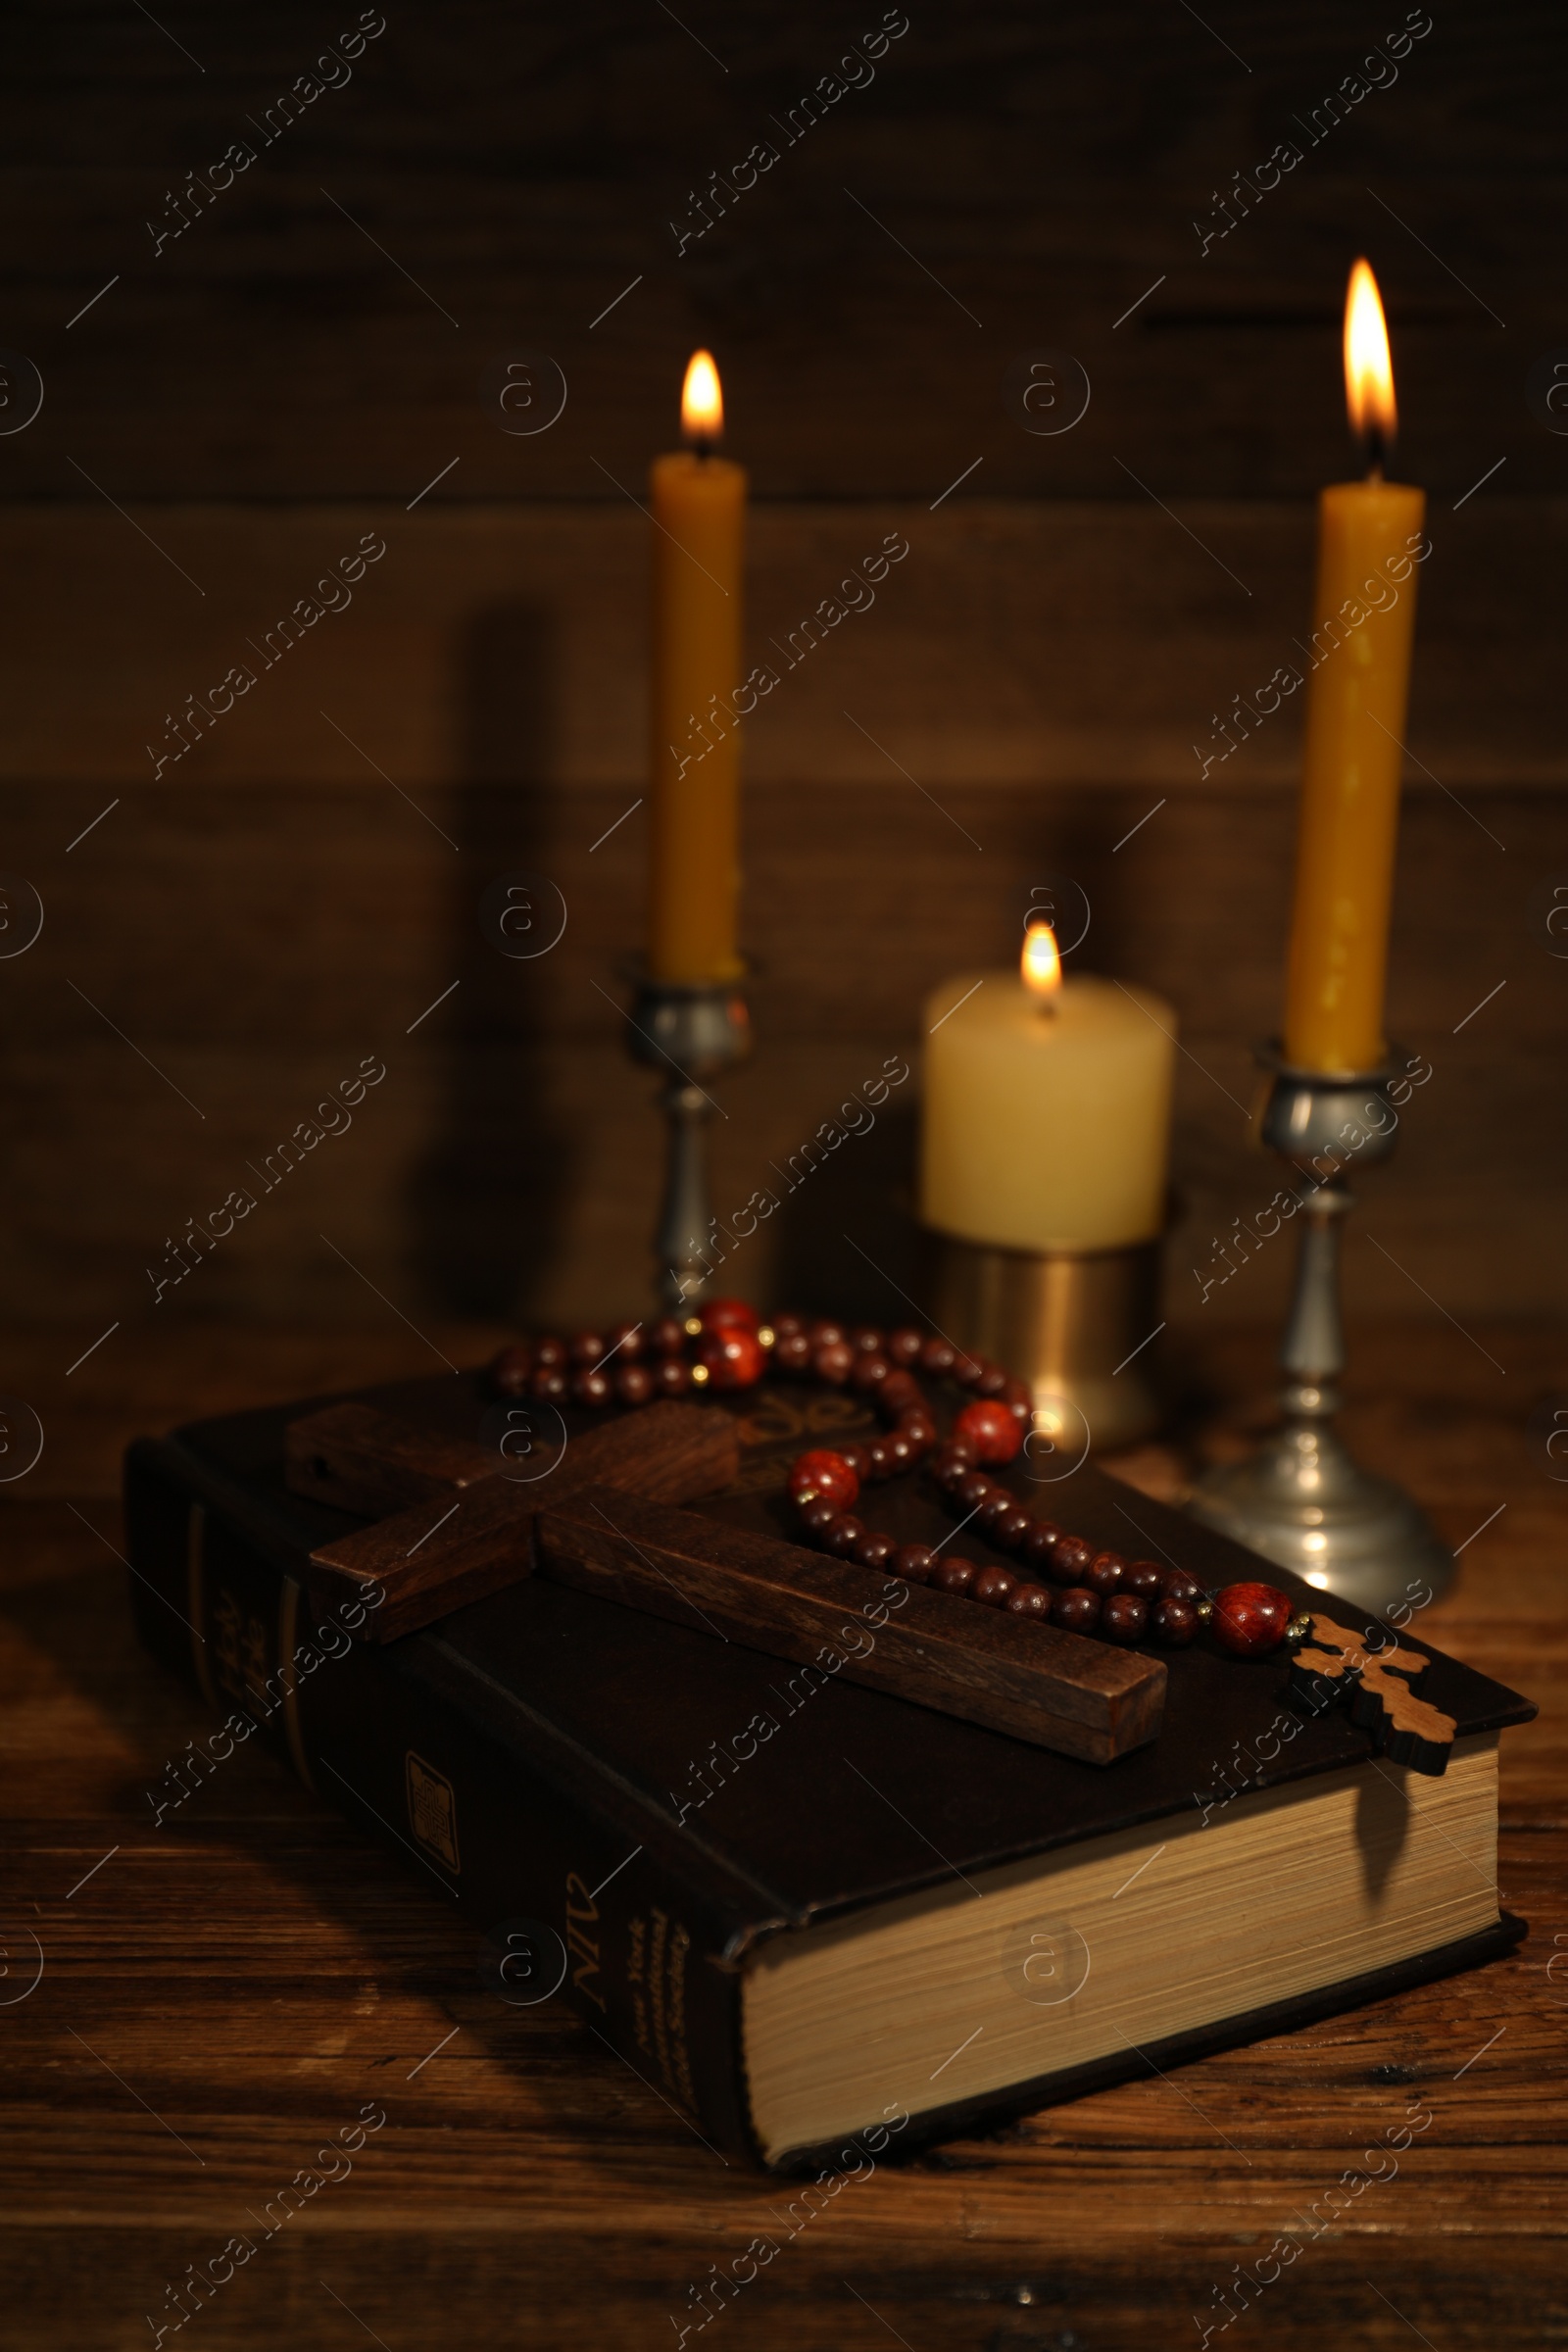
(1334,1668)
(603,1517)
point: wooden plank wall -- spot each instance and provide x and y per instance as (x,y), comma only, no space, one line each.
(235,412)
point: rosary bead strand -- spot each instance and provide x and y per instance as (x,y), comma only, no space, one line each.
(1068,1581)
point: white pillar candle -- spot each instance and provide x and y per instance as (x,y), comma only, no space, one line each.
(1045,1122)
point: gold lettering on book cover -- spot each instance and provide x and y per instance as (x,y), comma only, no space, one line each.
(432,1809)
(583,1947)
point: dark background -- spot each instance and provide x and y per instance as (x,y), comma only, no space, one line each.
(230,415)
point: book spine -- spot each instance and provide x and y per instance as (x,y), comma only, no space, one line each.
(568,1899)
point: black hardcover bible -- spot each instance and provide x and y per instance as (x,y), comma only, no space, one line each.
(806,1908)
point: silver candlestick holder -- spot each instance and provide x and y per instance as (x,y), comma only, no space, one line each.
(693,1032)
(1302,1500)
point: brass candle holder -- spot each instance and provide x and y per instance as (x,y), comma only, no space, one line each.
(693,1032)
(1080,1326)
(1302,1500)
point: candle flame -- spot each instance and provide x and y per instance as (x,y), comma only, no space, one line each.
(702,403)
(1369,368)
(1040,962)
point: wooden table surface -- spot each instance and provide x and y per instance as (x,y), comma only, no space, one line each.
(222,1996)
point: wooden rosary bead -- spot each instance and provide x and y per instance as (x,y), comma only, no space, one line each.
(667,1336)
(880,1461)
(787,1324)
(937,1356)
(953,1574)
(913,1562)
(1010,1527)
(1173,1622)
(1018,1397)
(833,1362)
(592,1388)
(992,1586)
(867,1373)
(998,1505)
(1105,1572)
(874,1550)
(624,1341)
(791,1353)
(993,1382)
(1123,1618)
(586,1348)
(509,1370)
(1177,1585)
(904,1345)
(824,1333)
(549,1351)
(866,1340)
(967,1370)
(634,1384)
(902,1455)
(672,1376)
(1076,1611)
(919,1430)
(1029,1601)
(1038,1545)
(859,1457)
(971,1490)
(818,1515)
(1070,1558)
(898,1392)
(841,1535)
(1145,1578)
(951,1462)
(550,1385)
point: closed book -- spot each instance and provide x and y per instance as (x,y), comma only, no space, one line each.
(801,1908)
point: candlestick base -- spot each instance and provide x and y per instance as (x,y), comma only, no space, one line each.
(693,1032)
(1077,1325)
(1302,1500)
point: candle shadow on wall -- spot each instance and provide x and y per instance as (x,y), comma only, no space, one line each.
(486,1199)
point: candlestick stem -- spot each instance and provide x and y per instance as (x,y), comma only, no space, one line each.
(1302,1498)
(692,1032)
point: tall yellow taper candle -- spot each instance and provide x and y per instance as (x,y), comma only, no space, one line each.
(698,510)
(1370,540)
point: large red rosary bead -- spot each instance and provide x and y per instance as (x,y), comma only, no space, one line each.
(729,1314)
(821,1476)
(991,1429)
(1250,1619)
(735,1358)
